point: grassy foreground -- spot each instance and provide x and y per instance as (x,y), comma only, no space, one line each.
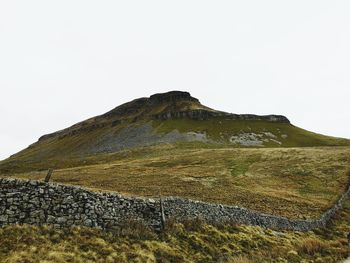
(188,242)
(292,182)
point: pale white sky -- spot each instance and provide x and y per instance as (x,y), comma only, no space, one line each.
(64,61)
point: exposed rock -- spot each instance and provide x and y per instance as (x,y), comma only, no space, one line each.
(254,139)
(191,114)
(139,135)
(247,139)
(171,97)
(271,135)
(252,117)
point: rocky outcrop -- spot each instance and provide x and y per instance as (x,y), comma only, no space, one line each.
(171,97)
(138,136)
(252,117)
(33,202)
(142,106)
(191,114)
(207,114)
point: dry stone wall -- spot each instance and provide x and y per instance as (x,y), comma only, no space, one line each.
(33,202)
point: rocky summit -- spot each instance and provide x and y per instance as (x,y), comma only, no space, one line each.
(157,104)
(172,97)
(176,104)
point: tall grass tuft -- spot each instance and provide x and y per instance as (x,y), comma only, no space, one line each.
(311,246)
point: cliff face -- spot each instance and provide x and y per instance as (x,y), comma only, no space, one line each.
(172,97)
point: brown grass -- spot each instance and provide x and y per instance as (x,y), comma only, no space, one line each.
(293,182)
(189,242)
(311,246)
(240,259)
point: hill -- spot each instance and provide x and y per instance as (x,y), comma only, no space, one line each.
(162,118)
(172,145)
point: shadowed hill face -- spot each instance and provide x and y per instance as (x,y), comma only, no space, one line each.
(165,118)
(143,109)
(171,105)
(156,104)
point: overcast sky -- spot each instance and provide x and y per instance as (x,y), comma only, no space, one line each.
(64,61)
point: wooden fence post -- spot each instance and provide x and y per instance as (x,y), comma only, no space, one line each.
(162,214)
(48,176)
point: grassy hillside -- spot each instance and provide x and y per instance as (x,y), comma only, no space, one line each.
(189,242)
(293,182)
(271,134)
(163,118)
(216,132)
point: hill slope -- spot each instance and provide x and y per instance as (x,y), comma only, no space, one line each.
(263,163)
(291,182)
(164,118)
